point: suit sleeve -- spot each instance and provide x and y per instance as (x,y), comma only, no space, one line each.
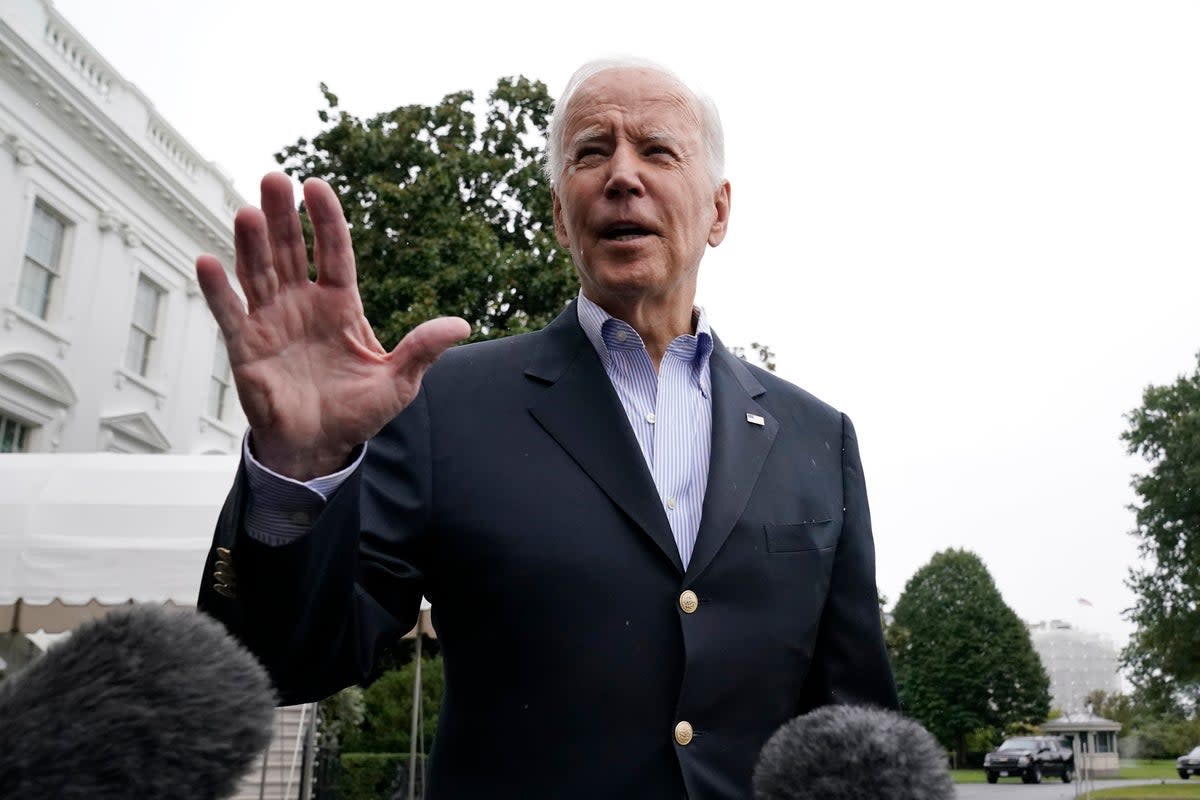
(318,611)
(850,662)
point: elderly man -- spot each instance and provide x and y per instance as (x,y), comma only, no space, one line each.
(643,554)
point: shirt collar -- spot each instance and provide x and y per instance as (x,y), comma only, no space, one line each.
(607,333)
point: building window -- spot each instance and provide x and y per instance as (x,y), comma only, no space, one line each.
(13,435)
(1104,743)
(218,388)
(144,329)
(42,253)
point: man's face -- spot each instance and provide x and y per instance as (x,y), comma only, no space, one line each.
(634,203)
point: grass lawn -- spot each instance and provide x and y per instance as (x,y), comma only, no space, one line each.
(968,776)
(1143,768)
(1147,792)
(1139,769)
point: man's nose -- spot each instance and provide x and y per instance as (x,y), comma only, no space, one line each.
(624,174)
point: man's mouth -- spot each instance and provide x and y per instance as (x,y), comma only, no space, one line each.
(625,232)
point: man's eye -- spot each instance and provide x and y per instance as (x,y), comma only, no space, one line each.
(659,151)
(589,154)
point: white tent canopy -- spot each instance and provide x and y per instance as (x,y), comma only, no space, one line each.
(83,532)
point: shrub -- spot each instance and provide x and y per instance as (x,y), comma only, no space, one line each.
(368,776)
(387,721)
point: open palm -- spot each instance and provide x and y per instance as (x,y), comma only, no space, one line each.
(311,375)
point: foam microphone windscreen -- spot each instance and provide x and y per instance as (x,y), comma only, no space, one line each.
(143,703)
(852,753)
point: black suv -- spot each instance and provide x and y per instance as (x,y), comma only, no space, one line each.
(1030,757)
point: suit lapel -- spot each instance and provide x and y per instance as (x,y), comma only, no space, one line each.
(739,449)
(581,411)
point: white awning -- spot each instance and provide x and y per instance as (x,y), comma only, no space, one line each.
(81,532)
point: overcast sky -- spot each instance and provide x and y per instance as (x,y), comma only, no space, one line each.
(971,226)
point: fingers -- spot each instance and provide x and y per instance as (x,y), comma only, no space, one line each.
(253,261)
(332,249)
(270,243)
(223,302)
(424,343)
(283,229)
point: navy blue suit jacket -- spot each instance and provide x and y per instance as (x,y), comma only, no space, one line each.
(513,494)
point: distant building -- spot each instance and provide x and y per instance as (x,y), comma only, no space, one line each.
(1078,662)
(105,340)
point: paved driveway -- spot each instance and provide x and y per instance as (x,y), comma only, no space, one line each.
(1049,790)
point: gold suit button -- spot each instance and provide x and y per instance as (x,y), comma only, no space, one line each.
(224,553)
(689,602)
(224,591)
(683,733)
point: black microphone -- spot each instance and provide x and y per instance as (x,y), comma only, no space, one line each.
(852,753)
(143,703)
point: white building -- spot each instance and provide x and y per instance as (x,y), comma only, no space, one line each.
(105,341)
(106,344)
(1077,661)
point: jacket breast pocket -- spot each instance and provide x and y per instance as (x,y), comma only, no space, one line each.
(801,536)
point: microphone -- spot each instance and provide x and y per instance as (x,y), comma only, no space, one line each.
(143,703)
(852,753)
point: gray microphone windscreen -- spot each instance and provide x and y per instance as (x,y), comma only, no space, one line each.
(852,753)
(143,703)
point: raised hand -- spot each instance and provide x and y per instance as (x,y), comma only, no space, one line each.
(312,378)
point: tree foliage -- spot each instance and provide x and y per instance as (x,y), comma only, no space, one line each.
(1163,738)
(1164,652)
(340,714)
(1149,729)
(449,212)
(963,659)
(762,352)
(386,725)
(1117,706)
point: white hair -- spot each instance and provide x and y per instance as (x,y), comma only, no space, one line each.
(712,135)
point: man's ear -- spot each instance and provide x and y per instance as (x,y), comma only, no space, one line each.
(560,228)
(716,233)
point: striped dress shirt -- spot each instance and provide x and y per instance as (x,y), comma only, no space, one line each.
(670,412)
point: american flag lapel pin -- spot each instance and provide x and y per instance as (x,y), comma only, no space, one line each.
(755,419)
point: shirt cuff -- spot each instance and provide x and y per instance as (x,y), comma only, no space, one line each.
(279,509)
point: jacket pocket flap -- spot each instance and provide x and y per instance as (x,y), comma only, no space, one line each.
(800,536)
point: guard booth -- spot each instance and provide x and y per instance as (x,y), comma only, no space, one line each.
(1094,740)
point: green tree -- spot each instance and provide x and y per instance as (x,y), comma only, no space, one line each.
(895,637)
(1163,654)
(963,659)
(387,722)
(1116,706)
(1150,727)
(1162,737)
(762,352)
(340,715)
(449,211)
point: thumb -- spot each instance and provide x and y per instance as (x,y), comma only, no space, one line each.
(424,344)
